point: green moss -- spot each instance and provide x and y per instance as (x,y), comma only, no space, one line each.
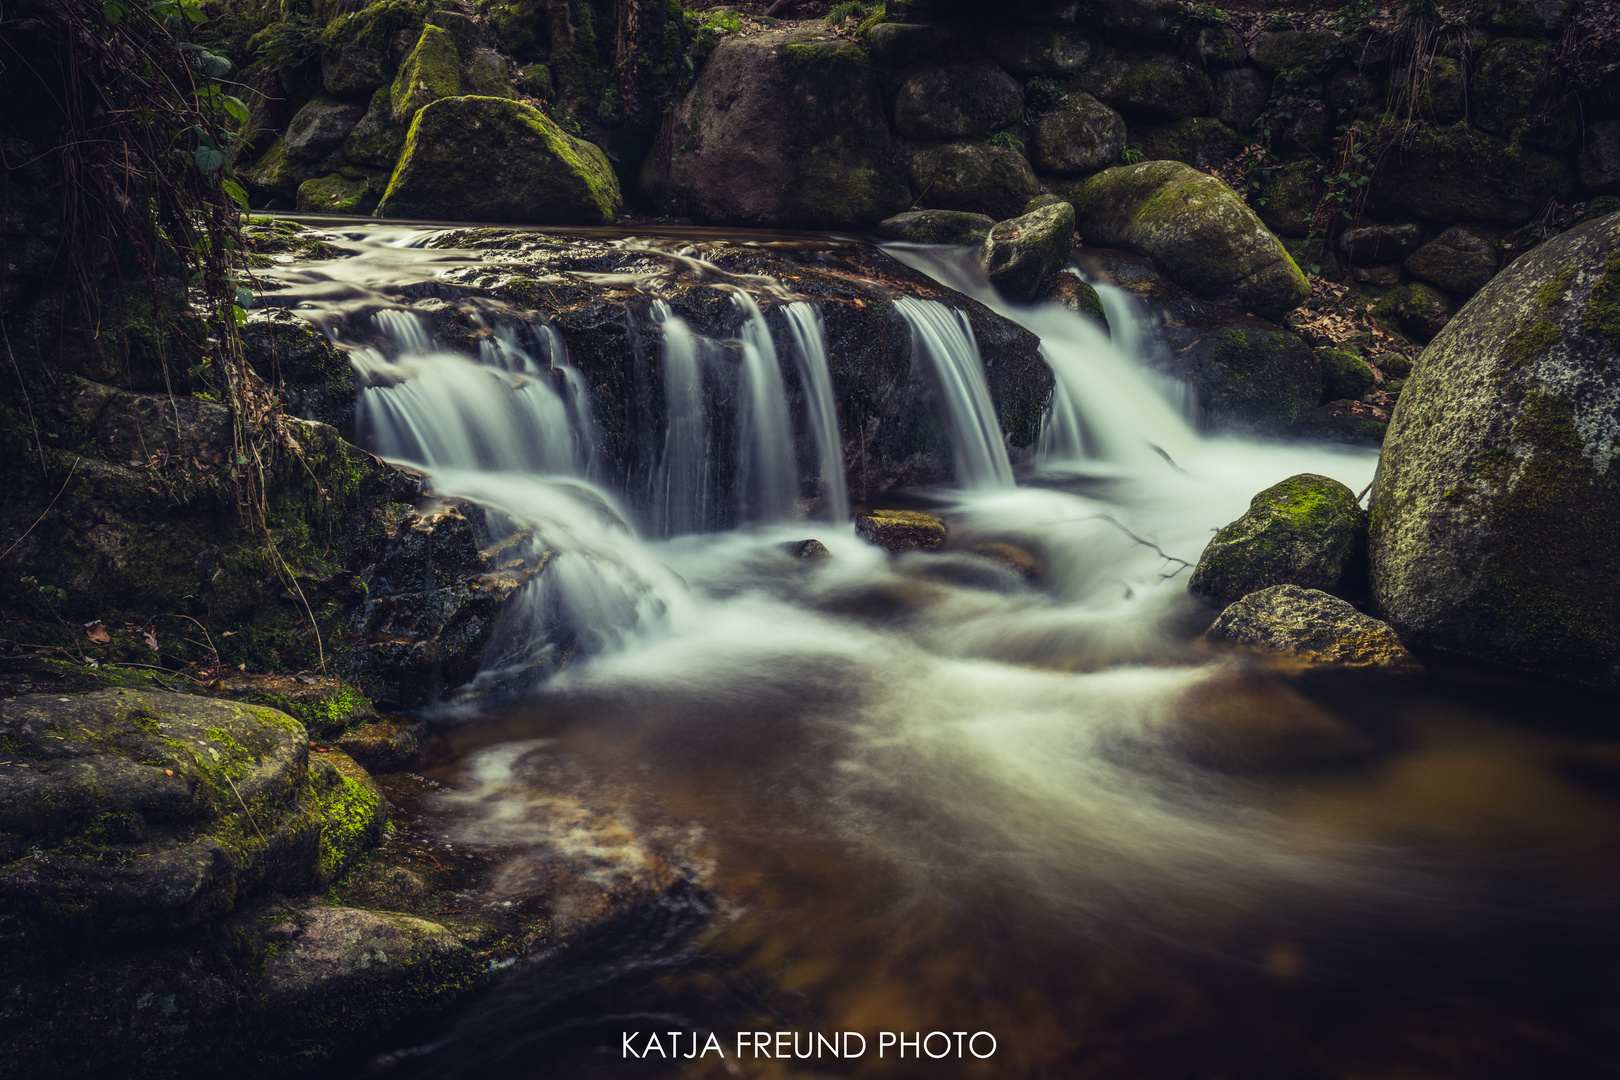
(1530,342)
(352,814)
(432,71)
(336,194)
(374,25)
(1555,290)
(1602,315)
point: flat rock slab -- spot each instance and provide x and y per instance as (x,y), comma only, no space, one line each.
(1312,627)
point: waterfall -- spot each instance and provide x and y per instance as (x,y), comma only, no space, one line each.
(766,477)
(943,337)
(681,482)
(810,349)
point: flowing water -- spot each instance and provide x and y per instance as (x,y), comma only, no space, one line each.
(931,794)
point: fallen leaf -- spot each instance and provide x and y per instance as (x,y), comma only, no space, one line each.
(97,632)
(319,749)
(228,633)
(241,667)
(168,772)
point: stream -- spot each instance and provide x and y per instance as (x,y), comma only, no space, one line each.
(1026,825)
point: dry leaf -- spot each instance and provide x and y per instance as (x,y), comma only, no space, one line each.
(241,667)
(97,632)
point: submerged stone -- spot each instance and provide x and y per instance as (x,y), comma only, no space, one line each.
(1306,531)
(1311,627)
(493,159)
(901,530)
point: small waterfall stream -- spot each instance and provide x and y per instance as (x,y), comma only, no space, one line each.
(945,339)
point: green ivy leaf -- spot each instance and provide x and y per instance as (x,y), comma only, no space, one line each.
(208,159)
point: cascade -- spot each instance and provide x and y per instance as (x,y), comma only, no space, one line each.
(766,479)
(942,336)
(681,483)
(810,350)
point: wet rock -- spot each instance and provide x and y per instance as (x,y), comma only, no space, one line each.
(1150,87)
(1345,420)
(1459,174)
(279,172)
(1312,627)
(1195,227)
(1249,723)
(313,376)
(1079,134)
(1069,291)
(336,194)
(1199,141)
(1040,50)
(901,530)
(1240,96)
(781,128)
(1275,50)
(325,705)
(980,178)
(1460,260)
(1496,499)
(1306,531)
(320,127)
(807,550)
(130,811)
(385,746)
(1381,243)
(1014,558)
(490,159)
(1022,252)
(937,227)
(1600,158)
(956,101)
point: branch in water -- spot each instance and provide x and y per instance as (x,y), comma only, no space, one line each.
(1166,556)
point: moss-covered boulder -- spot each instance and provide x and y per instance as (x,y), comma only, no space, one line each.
(432,71)
(1456,173)
(1067,290)
(956,101)
(1195,227)
(1151,87)
(320,127)
(1306,531)
(1022,252)
(1345,375)
(1460,260)
(1040,50)
(1077,135)
(1510,91)
(1240,96)
(1309,626)
(279,172)
(312,376)
(1257,376)
(901,530)
(126,810)
(937,227)
(979,177)
(1276,50)
(1288,202)
(1600,158)
(336,194)
(1421,310)
(356,49)
(1199,141)
(493,159)
(1496,503)
(781,128)
(377,138)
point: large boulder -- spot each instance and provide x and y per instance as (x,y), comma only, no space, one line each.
(1022,252)
(1311,627)
(1149,86)
(1197,229)
(1305,531)
(1040,50)
(135,811)
(1460,260)
(1199,141)
(1459,174)
(320,127)
(357,50)
(1078,135)
(979,177)
(781,129)
(492,159)
(956,101)
(1510,99)
(1497,500)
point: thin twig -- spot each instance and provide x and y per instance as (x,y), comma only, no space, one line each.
(1364,490)
(47,510)
(245,809)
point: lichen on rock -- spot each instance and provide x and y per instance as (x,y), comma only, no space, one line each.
(1310,626)
(1306,531)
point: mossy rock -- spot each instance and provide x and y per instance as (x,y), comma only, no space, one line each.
(1199,141)
(1289,199)
(956,101)
(937,227)
(978,177)
(1450,174)
(494,159)
(1151,87)
(1077,135)
(355,48)
(1022,252)
(1460,260)
(1293,50)
(1040,50)
(1067,290)
(326,706)
(1197,229)
(378,138)
(1345,375)
(132,811)
(279,171)
(1496,503)
(901,530)
(1441,96)
(1240,97)
(313,377)
(1510,95)
(1306,531)
(432,71)
(1258,377)
(1422,311)
(1310,626)
(336,194)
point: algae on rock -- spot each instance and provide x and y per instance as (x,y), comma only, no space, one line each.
(1306,531)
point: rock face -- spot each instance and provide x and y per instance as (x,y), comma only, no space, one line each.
(956,101)
(128,811)
(1149,86)
(1310,626)
(1305,531)
(1078,135)
(1195,227)
(1496,503)
(491,159)
(1459,174)
(901,530)
(781,129)
(980,178)
(1021,253)
(937,227)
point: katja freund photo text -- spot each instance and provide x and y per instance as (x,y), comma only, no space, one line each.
(810,1044)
